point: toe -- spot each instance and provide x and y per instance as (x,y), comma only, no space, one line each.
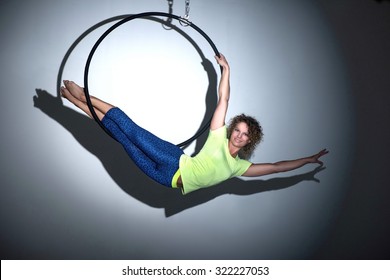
(63,91)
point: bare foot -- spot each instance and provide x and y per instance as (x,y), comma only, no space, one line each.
(75,90)
(74,94)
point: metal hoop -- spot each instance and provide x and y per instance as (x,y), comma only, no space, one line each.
(112,28)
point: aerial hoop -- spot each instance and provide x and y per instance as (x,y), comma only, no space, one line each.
(127,19)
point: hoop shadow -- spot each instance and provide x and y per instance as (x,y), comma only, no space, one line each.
(126,174)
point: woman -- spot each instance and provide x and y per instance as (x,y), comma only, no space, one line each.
(164,162)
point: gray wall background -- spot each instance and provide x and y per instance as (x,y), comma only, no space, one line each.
(315,73)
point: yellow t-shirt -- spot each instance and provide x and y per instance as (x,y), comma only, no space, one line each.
(212,165)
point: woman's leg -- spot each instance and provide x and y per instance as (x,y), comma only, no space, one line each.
(157,158)
(75,94)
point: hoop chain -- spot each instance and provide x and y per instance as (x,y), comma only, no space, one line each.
(187,10)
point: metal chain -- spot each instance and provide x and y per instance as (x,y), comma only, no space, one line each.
(169,20)
(187,10)
(170,4)
(184,20)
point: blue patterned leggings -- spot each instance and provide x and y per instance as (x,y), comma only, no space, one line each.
(157,158)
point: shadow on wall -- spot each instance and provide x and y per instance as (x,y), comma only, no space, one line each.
(125,173)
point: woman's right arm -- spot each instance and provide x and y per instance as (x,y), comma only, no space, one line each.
(219,116)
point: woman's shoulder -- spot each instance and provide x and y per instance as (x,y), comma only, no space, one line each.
(219,131)
(216,138)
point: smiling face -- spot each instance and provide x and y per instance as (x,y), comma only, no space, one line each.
(239,137)
(244,134)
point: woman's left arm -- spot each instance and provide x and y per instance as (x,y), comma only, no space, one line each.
(218,119)
(259,169)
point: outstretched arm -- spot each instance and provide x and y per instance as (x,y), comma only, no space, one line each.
(260,169)
(219,116)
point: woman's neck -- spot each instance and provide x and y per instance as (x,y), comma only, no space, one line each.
(233,150)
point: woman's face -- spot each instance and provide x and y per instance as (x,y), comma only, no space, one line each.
(240,135)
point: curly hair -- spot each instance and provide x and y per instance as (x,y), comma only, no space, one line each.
(255,133)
